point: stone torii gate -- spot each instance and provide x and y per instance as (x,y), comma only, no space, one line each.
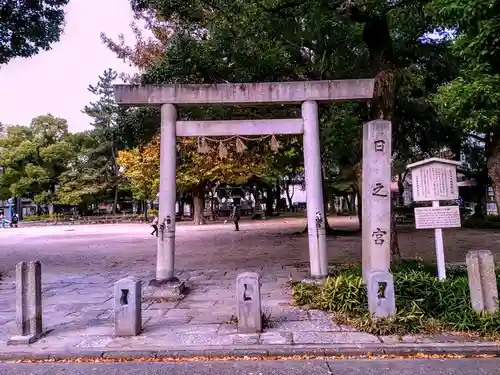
(308,93)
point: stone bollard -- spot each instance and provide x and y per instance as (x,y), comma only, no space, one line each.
(128,309)
(381,298)
(482,280)
(28,303)
(249,305)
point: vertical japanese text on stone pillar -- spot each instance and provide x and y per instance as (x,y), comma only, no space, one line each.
(379,236)
(379,145)
(376,196)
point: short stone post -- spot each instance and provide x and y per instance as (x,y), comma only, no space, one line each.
(249,304)
(381,298)
(28,303)
(482,280)
(128,312)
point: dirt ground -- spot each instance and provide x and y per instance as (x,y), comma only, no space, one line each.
(66,249)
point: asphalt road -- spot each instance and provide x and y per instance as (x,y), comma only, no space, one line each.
(352,367)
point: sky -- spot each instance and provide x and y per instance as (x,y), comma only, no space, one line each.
(56,81)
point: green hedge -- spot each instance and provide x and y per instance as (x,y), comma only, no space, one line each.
(489,222)
(424,304)
(44,217)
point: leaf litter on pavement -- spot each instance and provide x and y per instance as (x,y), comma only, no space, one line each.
(250,358)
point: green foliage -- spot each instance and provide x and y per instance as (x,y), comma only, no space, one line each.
(44,217)
(85,179)
(34,157)
(489,222)
(424,304)
(476,27)
(470,102)
(141,167)
(29,26)
(197,169)
(93,171)
(236,41)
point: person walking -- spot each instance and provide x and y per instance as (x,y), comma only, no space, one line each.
(15,219)
(154,224)
(236,217)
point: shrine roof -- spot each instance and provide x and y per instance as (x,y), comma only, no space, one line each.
(421,163)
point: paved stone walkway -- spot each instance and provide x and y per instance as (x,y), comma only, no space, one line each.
(80,266)
(78,311)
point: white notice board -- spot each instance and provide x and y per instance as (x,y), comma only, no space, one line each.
(437,217)
(434,182)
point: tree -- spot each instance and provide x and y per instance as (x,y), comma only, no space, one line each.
(105,114)
(197,171)
(470,102)
(288,166)
(141,168)
(310,40)
(34,157)
(26,27)
(305,39)
(85,179)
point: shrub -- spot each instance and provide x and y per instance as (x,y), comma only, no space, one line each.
(152,212)
(424,304)
(493,218)
(489,222)
(55,216)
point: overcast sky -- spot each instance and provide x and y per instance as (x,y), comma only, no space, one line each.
(56,81)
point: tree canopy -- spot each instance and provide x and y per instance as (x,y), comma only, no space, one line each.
(26,27)
(470,101)
(236,41)
(435,79)
(34,157)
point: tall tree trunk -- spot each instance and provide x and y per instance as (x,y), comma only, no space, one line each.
(288,195)
(395,251)
(145,209)
(493,165)
(360,209)
(269,201)
(278,195)
(332,209)
(358,169)
(115,201)
(198,204)
(181,208)
(19,208)
(349,203)
(482,180)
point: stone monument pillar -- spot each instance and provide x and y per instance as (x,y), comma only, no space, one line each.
(28,303)
(376,193)
(482,280)
(314,192)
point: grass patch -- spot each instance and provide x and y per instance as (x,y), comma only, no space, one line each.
(424,304)
(267,319)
